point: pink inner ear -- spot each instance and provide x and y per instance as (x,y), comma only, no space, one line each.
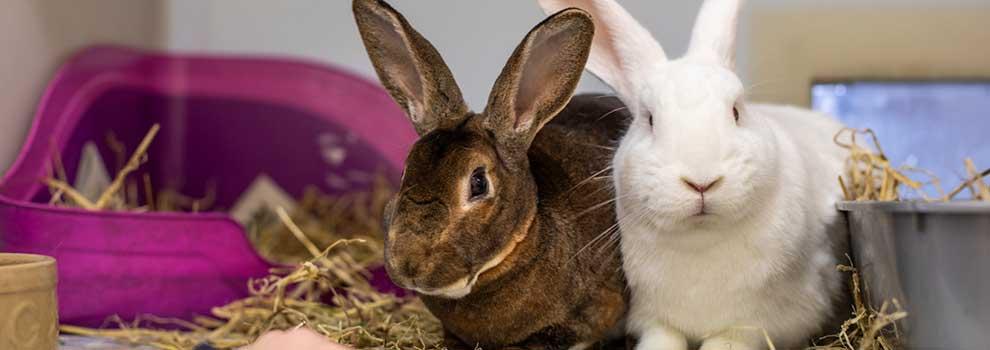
(542,77)
(399,61)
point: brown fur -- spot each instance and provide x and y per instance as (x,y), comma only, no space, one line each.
(548,195)
(549,295)
(416,78)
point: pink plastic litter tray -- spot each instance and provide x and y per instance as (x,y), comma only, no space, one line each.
(224,121)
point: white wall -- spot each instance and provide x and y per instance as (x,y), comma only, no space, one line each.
(474,36)
(37,35)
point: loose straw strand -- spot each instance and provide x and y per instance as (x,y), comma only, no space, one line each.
(132,164)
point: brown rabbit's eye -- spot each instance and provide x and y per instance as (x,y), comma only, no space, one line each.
(735,113)
(479,183)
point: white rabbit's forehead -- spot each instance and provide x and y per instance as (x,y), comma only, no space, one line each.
(686,86)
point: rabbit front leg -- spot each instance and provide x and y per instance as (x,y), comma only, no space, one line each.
(452,342)
(578,346)
(736,339)
(662,338)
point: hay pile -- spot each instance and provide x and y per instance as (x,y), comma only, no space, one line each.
(329,293)
(331,243)
(868,328)
(869,176)
(324,219)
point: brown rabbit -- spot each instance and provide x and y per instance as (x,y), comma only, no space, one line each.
(503,222)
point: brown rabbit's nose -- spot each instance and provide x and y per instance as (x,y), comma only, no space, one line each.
(701,187)
(401,273)
(410,270)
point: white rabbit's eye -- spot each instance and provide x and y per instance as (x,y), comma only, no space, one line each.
(649,119)
(735,113)
(479,183)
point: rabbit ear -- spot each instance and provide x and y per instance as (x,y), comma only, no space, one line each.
(714,34)
(410,68)
(538,80)
(622,48)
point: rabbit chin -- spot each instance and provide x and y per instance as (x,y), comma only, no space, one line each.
(684,212)
(462,287)
(456,290)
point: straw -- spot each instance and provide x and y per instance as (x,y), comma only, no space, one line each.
(325,289)
(328,293)
(869,176)
(868,328)
(132,164)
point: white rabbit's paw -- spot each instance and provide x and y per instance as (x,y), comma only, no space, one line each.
(662,338)
(736,340)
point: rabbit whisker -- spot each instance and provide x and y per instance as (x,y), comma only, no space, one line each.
(594,207)
(590,178)
(597,206)
(612,112)
(403,192)
(607,148)
(755,88)
(600,236)
(604,187)
(614,237)
(604,96)
(611,244)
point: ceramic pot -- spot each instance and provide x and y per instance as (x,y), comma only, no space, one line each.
(28,306)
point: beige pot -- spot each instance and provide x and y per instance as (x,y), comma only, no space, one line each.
(28,309)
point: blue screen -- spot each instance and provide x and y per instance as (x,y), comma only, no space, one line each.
(929,125)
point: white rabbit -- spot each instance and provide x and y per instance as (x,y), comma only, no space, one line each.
(726,208)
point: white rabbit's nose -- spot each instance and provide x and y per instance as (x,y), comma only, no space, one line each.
(701,186)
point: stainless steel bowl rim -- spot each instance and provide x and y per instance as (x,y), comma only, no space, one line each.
(954,207)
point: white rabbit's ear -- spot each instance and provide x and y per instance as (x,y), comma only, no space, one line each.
(622,49)
(714,34)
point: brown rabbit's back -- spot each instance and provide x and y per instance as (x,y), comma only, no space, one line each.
(571,162)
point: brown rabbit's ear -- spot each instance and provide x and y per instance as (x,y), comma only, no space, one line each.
(539,79)
(410,68)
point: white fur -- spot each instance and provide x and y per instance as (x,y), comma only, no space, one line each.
(761,258)
(621,46)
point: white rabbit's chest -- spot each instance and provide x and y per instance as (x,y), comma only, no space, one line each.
(749,283)
(698,294)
